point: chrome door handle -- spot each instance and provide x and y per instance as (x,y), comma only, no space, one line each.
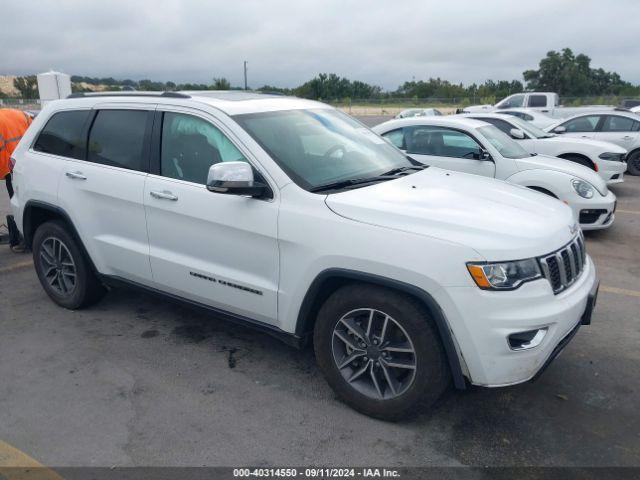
(76,175)
(164,195)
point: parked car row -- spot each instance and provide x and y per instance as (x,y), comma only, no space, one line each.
(292,217)
(480,146)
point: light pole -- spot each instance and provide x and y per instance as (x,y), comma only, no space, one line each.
(245,75)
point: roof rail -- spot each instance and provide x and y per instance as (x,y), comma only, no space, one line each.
(129,94)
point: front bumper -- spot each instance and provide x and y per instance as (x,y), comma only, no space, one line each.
(482,322)
(611,171)
(594,213)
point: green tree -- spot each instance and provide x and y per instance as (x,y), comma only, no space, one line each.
(221,84)
(572,75)
(27,86)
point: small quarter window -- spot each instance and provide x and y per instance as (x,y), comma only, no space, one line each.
(63,134)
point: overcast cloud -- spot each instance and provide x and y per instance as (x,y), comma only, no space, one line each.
(288,42)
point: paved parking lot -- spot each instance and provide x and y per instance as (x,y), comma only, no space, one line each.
(138,381)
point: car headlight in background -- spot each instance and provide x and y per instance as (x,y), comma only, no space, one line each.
(504,275)
(615,157)
(582,188)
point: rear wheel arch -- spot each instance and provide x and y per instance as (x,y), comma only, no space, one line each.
(37,213)
(328,281)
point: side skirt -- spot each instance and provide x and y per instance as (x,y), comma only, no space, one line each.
(290,339)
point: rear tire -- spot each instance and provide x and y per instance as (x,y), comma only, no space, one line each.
(387,384)
(62,268)
(633,163)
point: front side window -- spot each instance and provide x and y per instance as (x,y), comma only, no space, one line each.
(63,134)
(190,145)
(537,101)
(117,138)
(515,101)
(582,124)
(316,147)
(615,123)
(433,140)
(507,147)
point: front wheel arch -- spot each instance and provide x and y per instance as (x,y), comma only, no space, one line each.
(543,190)
(332,279)
(580,159)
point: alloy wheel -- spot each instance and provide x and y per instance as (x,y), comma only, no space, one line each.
(373,353)
(58,267)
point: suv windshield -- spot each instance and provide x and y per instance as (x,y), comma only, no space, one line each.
(507,147)
(530,128)
(322,146)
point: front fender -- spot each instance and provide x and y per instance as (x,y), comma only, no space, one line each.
(557,183)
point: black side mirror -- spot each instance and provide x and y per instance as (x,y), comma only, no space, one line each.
(483,155)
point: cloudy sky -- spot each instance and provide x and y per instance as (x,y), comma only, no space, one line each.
(287,42)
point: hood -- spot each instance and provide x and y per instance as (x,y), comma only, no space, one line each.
(583,144)
(499,220)
(565,166)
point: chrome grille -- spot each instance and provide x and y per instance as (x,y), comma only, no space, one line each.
(564,267)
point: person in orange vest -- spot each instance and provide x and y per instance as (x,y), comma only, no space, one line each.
(13,125)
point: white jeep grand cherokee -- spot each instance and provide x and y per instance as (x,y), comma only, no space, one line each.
(289,215)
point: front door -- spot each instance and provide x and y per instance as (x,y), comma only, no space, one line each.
(216,249)
(584,126)
(442,147)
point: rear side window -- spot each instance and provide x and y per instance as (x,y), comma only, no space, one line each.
(63,134)
(503,125)
(117,138)
(537,101)
(614,123)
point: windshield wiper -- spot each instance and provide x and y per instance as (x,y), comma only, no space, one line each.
(344,184)
(398,170)
(352,182)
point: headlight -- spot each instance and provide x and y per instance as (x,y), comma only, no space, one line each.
(504,275)
(616,157)
(582,188)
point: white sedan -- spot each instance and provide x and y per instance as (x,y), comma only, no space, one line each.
(606,158)
(476,147)
(616,126)
(419,112)
(538,119)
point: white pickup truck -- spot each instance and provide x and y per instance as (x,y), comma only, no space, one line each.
(547,103)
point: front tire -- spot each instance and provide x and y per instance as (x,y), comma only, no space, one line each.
(633,163)
(380,351)
(62,268)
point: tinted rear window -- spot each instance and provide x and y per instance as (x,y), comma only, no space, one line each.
(117,138)
(63,134)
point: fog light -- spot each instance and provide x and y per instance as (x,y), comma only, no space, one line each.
(528,339)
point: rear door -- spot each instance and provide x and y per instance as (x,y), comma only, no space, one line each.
(621,130)
(442,147)
(538,101)
(216,249)
(102,191)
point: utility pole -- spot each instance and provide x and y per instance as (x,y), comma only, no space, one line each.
(245,75)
